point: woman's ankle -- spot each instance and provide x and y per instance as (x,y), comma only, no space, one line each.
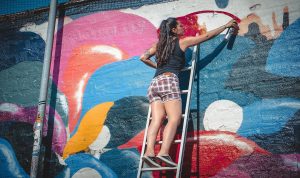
(149,154)
(163,154)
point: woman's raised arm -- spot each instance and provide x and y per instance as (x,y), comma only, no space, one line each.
(191,41)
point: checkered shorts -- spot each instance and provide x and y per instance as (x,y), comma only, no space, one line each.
(164,88)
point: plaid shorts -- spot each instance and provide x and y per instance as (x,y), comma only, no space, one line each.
(164,88)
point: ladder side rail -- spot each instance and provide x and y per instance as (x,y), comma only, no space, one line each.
(144,143)
(187,112)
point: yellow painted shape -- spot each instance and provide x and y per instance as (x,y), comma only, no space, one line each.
(88,130)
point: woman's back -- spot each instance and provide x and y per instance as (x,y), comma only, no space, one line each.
(175,61)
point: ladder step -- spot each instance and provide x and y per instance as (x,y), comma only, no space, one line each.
(188,140)
(175,141)
(184,91)
(159,169)
(186,68)
(160,142)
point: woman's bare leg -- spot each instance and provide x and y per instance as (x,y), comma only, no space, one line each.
(158,113)
(174,112)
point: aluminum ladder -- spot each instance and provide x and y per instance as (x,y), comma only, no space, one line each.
(185,116)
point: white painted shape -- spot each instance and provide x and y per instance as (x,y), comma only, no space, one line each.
(9,107)
(87,173)
(223,115)
(155,13)
(68,132)
(295,105)
(60,159)
(102,139)
(63,102)
(41,29)
(108,50)
(79,91)
(226,139)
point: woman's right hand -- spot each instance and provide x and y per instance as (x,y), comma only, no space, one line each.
(232,23)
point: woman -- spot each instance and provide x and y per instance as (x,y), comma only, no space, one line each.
(164,93)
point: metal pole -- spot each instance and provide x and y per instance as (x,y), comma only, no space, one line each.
(38,125)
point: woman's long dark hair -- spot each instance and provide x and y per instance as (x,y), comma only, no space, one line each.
(166,41)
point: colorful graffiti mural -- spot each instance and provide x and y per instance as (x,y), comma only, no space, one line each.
(245,101)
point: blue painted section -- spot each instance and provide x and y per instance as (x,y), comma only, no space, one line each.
(9,165)
(15,6)
(222,3)
(66,173)
(17,47)
(124,162)
(24,91)
(81,160)
(215,65)
(284,56)
(258,114)
(115,81)
(268,116)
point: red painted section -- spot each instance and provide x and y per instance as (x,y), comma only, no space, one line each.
(190,25)
(216,12)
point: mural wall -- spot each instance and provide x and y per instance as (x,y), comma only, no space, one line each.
(245,117)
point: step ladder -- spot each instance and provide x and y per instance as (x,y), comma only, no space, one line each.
(185,117)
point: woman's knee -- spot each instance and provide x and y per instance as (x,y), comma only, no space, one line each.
(158,117)
(156,123)
(175,121)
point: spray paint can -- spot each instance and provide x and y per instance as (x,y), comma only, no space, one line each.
(230,37)
(229,33)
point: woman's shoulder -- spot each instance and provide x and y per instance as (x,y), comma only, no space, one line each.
(181,43)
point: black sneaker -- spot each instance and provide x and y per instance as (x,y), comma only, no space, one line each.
(150,161)
(168,160)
